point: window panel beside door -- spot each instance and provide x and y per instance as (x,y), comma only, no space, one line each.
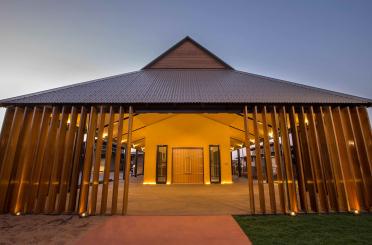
(161,164)
(215,164)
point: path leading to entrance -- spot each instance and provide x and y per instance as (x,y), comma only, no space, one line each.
(166,230)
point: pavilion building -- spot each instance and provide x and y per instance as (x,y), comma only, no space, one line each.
(305,149)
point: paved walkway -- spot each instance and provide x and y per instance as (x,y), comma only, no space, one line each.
(217,230)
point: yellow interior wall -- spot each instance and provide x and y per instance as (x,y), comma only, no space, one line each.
(187,130)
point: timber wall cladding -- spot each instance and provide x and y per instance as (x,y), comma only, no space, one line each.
(188,55)
(50,159)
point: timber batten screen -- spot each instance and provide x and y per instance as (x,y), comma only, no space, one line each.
(47,159)
(57,171)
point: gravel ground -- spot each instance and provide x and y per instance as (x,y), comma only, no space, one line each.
(45,229)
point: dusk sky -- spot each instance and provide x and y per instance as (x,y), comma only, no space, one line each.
(47,44)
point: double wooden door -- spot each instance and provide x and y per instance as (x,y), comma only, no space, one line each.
(188,166)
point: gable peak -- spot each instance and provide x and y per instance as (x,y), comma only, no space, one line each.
(187,54)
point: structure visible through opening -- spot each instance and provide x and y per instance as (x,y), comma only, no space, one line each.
(184,123)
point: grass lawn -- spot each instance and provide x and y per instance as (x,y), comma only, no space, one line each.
(308,229)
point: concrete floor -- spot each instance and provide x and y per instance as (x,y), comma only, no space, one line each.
(189,199)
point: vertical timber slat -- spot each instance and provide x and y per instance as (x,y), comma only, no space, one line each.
(117,161)
(314,146)
(67,161)
(307,160)
(354,160)
(329,170)
(23,173)
(5,132)
(76,161)
(58,161)
(297,149)
(278,159)
(106,174)
(348,174)
(249,161)
(269,167)
(342,192)
(367,133)
(361,145)
(9,154)
(97,161)
(84,186)
(258,162)
(127,161)
(38,160)
(287,160)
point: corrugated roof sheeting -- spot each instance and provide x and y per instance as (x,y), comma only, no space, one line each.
(186,86)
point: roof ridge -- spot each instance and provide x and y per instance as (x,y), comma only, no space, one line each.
(65,87)
(340,94)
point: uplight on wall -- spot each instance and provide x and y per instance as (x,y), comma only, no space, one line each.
(149,183)
(292,213)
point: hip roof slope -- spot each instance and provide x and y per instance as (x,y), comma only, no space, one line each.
(186,86)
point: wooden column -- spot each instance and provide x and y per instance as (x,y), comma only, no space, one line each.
(9,155)
(37,161)
(106,174)
(298,155)
(26,152)
(258,162)
(287,160)
(354,160)
(79,141)
(342,193)
(361,145)
(47,161)
(269,167)
(325,151)
(84,186)
(249,161)
(117,161)
(127,161)
(308,168)
(5,132)
(367,132)
(18,161)
(316,160)
(97,161)
(347,171)
(67,160)
(59,151)
(278,159)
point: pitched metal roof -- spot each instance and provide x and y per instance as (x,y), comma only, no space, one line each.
(186,86)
